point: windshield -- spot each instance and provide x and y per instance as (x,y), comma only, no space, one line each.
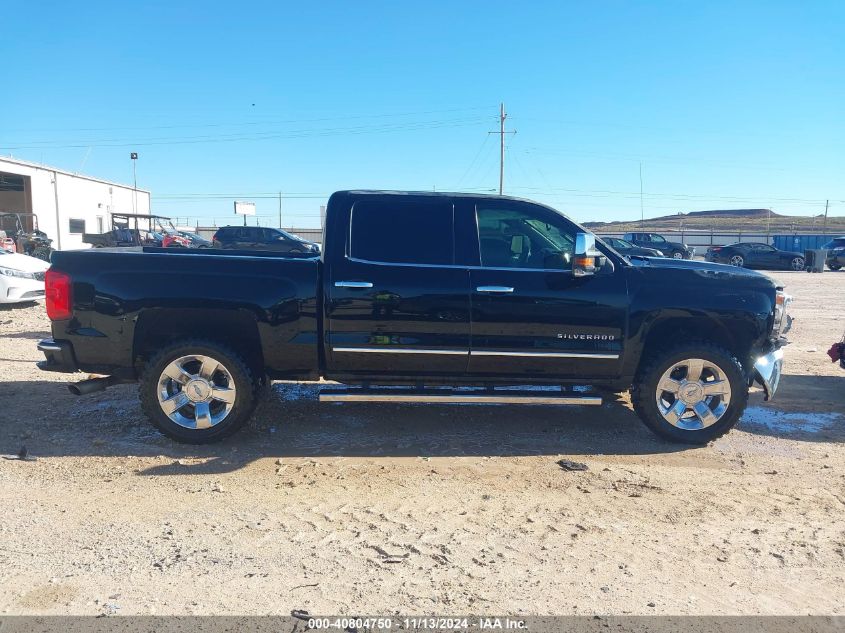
(295,238)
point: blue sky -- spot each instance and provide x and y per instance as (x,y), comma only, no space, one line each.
(725,104)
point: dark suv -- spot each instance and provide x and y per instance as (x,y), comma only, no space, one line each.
(660,243)
(835,253)
(252,238)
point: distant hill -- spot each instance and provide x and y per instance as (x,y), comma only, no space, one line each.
(725,220)
(732,213)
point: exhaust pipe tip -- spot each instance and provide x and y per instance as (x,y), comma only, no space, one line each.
(92,385)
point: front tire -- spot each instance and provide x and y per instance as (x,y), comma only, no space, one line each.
(692,393)
(198,391)
(797,263)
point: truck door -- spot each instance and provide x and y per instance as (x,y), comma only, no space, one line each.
(530,316)
(396,302)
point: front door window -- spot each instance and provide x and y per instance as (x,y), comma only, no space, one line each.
(516,238)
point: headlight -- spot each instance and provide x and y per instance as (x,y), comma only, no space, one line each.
(11,272)
(782,301)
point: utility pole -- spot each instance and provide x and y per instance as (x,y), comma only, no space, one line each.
(501,133)
(134,157)
(280,209)
(826,204)
(642,211)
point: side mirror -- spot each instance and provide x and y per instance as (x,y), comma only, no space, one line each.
(587,256)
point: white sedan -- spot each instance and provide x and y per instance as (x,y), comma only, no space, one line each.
(21,277)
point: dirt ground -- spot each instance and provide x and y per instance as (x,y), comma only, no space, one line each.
(419,509)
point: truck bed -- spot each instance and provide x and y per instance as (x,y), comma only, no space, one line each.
(159,293)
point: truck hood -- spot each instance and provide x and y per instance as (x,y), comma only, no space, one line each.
(707,268)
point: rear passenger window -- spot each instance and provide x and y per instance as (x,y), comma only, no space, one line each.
(402,232)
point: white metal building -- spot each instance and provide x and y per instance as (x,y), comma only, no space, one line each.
(65,204)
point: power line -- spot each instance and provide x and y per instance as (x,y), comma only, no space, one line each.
(675,196)
(257,136)
(474,159)
(252,123)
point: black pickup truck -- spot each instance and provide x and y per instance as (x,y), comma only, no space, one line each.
(419,297)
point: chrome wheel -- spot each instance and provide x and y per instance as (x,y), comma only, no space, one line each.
(797,263)
(693,394)
(677,255)
(196,392)
(737,260)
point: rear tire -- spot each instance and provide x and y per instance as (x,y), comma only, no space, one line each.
(197,391)
(681,407)
(737,260)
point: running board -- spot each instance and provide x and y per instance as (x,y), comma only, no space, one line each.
(446,396)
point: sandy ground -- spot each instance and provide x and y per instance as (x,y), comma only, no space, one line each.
(350,509)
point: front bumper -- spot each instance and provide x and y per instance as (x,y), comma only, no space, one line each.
(59,356)
(767,371)
(18,289)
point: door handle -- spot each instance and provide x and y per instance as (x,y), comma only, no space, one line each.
(501,289)
(353,284)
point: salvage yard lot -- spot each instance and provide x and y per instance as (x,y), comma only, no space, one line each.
(418,509)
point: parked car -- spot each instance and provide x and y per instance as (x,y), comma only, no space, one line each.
(189,239)
(21,277)
(675,250)
(251,238)
(623,247)
(755,255)
(420,289)
(835,253)
(175,239)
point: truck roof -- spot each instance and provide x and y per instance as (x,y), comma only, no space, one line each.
(435,194)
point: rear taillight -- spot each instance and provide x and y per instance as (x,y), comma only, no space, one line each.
(58,295)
